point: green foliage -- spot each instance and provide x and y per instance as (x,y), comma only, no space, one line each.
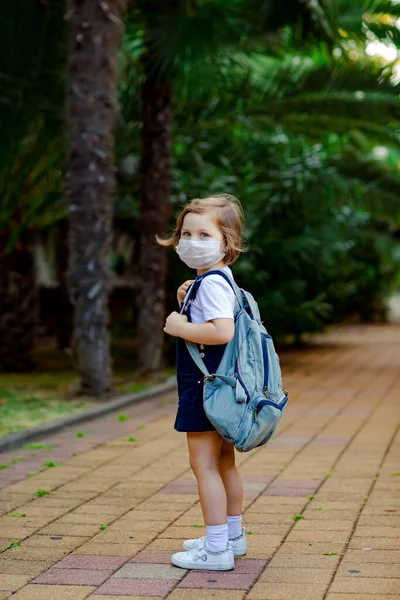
(26,406)
(31,113)
(38,446)
(41,493)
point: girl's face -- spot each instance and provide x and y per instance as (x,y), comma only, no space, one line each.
(200,227)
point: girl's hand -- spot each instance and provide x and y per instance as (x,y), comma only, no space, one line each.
(181,293)
(173,323)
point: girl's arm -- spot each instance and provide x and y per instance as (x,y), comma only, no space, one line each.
(217,331)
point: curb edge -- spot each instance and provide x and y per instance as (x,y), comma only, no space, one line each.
(14,440)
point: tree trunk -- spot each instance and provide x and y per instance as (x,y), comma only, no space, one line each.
(64,309)
(95,29)
(154,216)
(18,308)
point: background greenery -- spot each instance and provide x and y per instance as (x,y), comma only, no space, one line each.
(289,110)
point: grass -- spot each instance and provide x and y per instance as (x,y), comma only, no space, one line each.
(20,410)
(31,399)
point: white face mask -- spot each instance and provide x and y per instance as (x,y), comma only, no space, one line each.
(200,255)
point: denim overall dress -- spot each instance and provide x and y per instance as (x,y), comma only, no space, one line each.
(190,415)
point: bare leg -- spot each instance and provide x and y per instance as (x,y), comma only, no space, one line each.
(232,479)
(204,453)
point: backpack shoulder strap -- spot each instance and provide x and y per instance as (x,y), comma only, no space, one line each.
(191,346)
(232,283)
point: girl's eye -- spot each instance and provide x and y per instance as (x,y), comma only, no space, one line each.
(185,234)
(206,234)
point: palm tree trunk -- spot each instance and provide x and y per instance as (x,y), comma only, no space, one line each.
(18,307)
(95,29)
(64,309)
(154,216)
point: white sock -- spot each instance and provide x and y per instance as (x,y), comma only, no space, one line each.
(234,527)
(217,537)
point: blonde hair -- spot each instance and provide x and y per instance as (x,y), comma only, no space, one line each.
(230,220)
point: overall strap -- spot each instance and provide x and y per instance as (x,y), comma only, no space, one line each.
(190,296)
(229,280)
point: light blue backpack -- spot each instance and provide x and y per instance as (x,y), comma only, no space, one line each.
(244,400)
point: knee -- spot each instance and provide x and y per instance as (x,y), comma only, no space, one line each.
(227,460)
(201,465)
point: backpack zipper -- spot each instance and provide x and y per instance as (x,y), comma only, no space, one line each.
(265,360)
(237,374)
(269,403)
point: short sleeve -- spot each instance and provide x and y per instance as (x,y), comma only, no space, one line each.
(215,298)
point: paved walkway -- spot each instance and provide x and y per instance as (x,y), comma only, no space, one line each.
(322,507)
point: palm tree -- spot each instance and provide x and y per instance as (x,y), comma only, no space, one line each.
(31,150)
(95,30)
(155,210)
(185,44)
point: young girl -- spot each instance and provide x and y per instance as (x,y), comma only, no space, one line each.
(208,237)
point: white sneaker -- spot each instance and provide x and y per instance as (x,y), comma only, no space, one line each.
(239,544)
(201,557)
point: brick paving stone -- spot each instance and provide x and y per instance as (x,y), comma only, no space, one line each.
(333,596)
(181,532)
(385,520)
(53,592)
(86,519)
(276,502)
(259,511)
(342,505)
(107,597)
(373,556)
(365,585)
(135,525)
(202,594)
(331,446)
(264,541)
(4,542)
(294,575)
(24,567)
(150,571)
(338,526)
(54,541)
(17,554)
(11,583)
(228,580)
(286,591)
(158,516)
(377,531)
(173,545)
(69,529)
(311,548)
(289,561)
(375,543)
(73,577)
(268,528)
(152,557)
(17,533)
(129,536)
(339,537)
(369,570)
(260,554)
(136,587)
(74,561)
(29,522)
(109,549)
(330,515)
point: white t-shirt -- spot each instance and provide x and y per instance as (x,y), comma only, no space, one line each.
(215,299)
